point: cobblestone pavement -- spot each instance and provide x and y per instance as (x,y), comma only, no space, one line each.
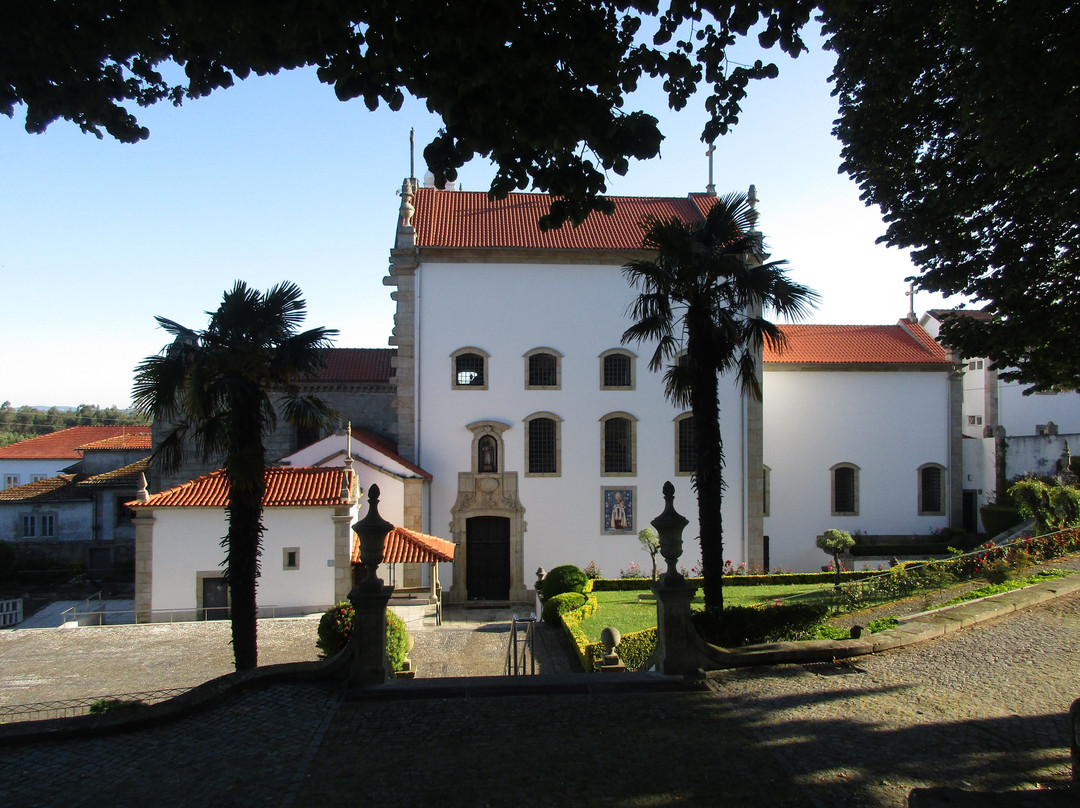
(982,709)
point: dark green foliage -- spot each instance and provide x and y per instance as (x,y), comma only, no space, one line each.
(542,89)
(335,628)
(28,422)
(636,648)
(958,121)
(564,578)
(917,549)
(555,607)
(113,705)
(882,624)
(749,625)
(216,390)
(1052,505)
(707,291)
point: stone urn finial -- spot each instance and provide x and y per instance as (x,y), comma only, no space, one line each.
(372,530)
(670,525)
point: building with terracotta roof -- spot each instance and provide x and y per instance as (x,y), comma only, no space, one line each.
(307,513)
(47,455)
(74,518)
(861,433)
(548,441)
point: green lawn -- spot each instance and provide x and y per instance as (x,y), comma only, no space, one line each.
(623,611)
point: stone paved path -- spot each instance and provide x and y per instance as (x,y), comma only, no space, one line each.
(981,709)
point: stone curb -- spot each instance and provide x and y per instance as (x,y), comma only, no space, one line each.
(912,629)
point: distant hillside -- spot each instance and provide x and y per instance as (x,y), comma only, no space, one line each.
(20,423)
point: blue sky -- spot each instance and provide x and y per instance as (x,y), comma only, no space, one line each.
(275,179)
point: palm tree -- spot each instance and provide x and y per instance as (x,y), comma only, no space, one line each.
(217,389)
(706,290)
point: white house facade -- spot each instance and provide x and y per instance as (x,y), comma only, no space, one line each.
(548,441)
(861,433)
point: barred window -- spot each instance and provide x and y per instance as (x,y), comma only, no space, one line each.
(617,370)
(542,446)
(686,446)
(618,446)
(469,369)
(542,368)
(931,490)
(845,484)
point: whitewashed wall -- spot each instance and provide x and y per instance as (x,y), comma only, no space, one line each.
(1020,414)
(1037,454)
(27,469)
(188,541)
(580,312)
(886,423)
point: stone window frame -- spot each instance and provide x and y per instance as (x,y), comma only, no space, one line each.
(558,369)
(632,422)
(920,472)
(678,421)
(295,552)
(854,492)
(633,369)
(29,525)
(481,429)
(558,444)
(460,352)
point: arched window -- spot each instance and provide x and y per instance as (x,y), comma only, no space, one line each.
(845,489)
(617,370)
(931,490)
(469,369)
(542,455)
(617,459)
(685,446)
(542,370)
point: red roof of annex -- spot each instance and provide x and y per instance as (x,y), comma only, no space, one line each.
(285,487)
(470,219)
(64,444)
(905,343)
(405,546)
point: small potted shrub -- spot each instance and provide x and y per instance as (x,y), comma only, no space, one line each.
(834,542)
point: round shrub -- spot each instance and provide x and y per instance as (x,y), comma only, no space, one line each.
(564,578)
(397,639)
(555,607)
(335,627)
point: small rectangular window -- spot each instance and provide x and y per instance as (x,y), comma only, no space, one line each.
(29,529)
(37,478)
(974,420)
(48,525)
(11,480)
(290,558)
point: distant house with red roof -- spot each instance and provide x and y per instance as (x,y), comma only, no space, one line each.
(65,494)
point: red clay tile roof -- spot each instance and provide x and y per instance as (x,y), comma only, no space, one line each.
(65,443)
(356,365)
(409,547)
(61,487)
(470,219)
(388,448)
(68,487)
(285,487)
(129,442)
(906,344)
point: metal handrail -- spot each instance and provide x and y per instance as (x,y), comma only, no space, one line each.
(38,711)
(515,662)
(73,613)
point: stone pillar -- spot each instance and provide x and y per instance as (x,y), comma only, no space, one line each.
(144,564)
(674,654)
(369,664)
(342,554)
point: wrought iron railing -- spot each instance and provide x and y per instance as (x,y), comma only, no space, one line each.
(521,646)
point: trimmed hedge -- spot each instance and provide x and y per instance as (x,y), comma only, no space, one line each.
(775,579)
(556,607)
(564,578)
